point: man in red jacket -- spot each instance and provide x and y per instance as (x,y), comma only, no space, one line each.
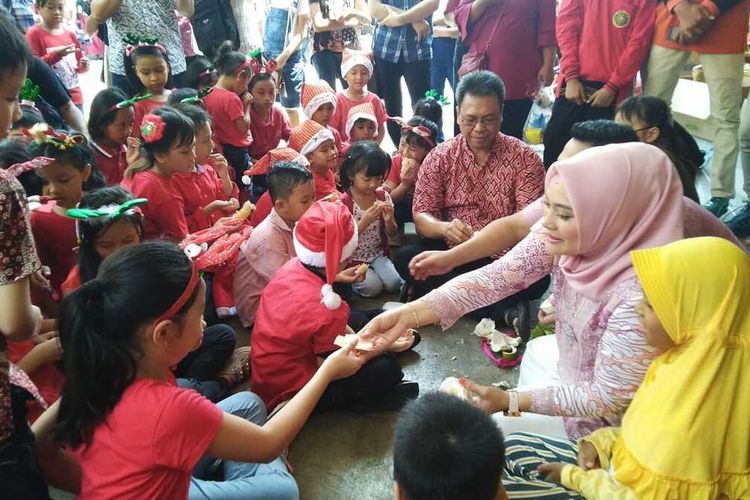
(603,44)
(715,30)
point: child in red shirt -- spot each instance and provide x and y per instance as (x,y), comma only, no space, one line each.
(228,106)
(316,144)
(268,122)
(357,70)
(168,149)
(111,120)
(288,343)
(148,71)
(64,182)
(134,433)
(418,137)
(58,46)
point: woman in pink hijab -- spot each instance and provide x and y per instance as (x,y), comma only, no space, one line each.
(599,205)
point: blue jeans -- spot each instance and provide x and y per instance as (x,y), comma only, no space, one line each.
(443,49)
(293,73)
(215,478)
(328,65)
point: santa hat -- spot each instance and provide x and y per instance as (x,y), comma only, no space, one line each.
(314,95)
(308,137)
(326,236)
(351,58)
(263,166)
(364,111)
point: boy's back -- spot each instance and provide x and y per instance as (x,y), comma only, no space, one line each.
(292,327)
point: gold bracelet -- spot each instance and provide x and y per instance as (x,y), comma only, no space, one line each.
(414,312)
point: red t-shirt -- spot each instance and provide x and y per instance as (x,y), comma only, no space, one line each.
(148,445)
(164,214)
(110,161)
(197,189)
(55,237)
(344,104)
(268,134)
(225,108)
(286,341)
(324,184)
(394,174)
(42,41)
(73,281)
(142,108)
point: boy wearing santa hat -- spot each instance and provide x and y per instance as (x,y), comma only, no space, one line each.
(318,146)
(319,104)
(357,69)
(361,124)
(300,316)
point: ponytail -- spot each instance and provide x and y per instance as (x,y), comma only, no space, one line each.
(100,326)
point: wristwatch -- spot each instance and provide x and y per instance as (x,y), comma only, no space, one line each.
(512,410)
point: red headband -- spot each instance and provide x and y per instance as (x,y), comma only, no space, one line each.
(420,130)
(184,297)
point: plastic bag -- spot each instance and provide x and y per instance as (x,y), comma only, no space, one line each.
(541,110)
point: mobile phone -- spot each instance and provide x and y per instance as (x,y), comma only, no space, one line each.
(674,34)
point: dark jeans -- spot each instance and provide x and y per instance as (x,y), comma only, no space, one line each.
(515,113)
(494,311)
(239,159)
(565,114)
(375,379)
(198,369)
(443,50)
(388,76)
(402,210)
(458,55)
(358,318)
(328,65)
(20,474)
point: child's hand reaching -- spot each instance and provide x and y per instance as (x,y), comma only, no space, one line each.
(133,152)
(588,457)
(343,363)
(349,275)
(64,50)
(551,471)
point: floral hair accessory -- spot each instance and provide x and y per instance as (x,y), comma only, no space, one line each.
(133,41)
(420,130)
(436,96)
(29,92)
(43,133)
(28,166)
(152,128)
(259,64)
(197,98)
(111,211)
(130,102)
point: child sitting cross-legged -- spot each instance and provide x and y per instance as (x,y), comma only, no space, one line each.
(447,449)
(137,435)
(300,316)
(362,173)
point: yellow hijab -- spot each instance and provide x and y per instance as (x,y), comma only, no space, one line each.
(686,434)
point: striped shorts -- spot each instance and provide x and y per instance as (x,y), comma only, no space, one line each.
(525,452)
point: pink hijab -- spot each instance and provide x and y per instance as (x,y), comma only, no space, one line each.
(624,197)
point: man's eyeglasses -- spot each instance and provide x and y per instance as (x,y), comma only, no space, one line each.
(487,121)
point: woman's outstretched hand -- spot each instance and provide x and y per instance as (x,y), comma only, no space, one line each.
(388,327)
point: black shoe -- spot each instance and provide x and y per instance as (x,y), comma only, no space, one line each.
(739,221)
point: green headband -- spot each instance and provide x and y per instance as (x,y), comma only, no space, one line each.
(436,96)
(197,98)
(111,211)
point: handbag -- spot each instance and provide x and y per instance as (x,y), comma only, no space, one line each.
(475,60)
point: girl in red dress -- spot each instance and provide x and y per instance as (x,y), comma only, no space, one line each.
(111,120)
(148,71)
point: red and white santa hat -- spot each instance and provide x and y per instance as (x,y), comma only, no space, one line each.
(326,236)
(263,166)
(308,137)
(364,111)
(351,58)
(314,95)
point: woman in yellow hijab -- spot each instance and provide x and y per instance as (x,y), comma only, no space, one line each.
(686,434)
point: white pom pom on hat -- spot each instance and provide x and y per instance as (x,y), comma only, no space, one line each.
(326,236)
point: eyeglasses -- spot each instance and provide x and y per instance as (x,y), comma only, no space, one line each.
(487,121)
